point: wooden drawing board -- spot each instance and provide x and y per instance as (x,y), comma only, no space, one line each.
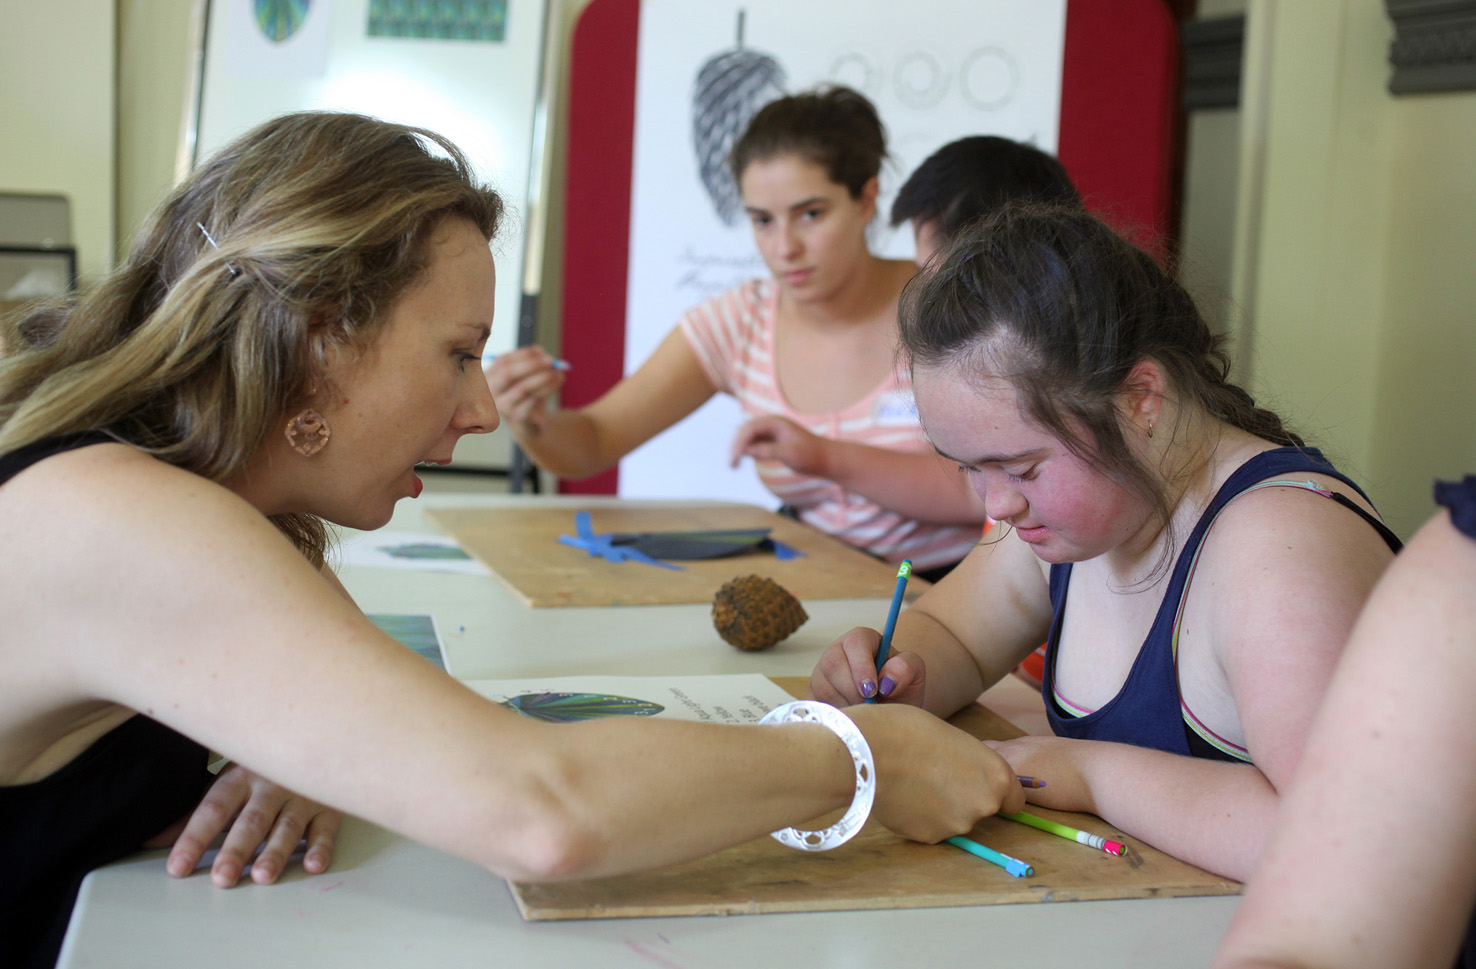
(521,546)
(878,869)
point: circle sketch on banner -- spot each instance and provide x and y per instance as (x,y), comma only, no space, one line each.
(988,78)
(858,71)
(920,79)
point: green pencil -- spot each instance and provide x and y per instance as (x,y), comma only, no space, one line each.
(1069,833)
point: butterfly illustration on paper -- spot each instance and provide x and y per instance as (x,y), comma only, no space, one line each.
(574,707)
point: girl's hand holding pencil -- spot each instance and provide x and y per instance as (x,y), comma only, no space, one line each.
(522,381)
(886,685)
(849,664)
(861,667)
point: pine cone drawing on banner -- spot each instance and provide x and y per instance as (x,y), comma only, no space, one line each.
(730,89)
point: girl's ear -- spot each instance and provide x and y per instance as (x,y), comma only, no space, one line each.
(1140,401)
(869,194)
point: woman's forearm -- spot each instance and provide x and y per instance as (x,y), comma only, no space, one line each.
(919,485)
(1212,814)
(584,800)
(565,443)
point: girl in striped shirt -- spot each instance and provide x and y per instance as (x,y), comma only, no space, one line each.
(810,354)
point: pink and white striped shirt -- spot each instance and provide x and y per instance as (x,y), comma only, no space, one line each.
(732,335)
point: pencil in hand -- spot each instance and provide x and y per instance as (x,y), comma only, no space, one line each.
(558,364)
(903,571)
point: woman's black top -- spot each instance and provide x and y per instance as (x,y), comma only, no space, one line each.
(131,784)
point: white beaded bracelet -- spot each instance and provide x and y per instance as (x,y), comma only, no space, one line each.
(812,711)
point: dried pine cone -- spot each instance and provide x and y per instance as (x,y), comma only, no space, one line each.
(753,612)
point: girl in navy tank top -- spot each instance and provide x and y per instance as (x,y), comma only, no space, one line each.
(1192,566)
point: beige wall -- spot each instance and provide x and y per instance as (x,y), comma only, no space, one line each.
(156,73)
(56,114)
(1206,234)
(1425,403)
(1359,292)
(1314,292)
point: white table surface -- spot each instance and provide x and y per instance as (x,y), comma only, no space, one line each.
(390,902)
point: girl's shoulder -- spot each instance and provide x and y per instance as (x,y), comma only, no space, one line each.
(1289,533)
(1284,485)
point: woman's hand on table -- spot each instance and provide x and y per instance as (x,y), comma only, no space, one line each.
(521,382)
(934,780)
(254,813)
(846,672)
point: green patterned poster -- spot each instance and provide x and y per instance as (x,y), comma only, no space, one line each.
(439,19)
(279,19)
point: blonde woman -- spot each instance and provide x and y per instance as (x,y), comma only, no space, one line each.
(297,328)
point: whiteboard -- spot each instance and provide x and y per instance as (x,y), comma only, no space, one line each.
(483,91)
(942,70)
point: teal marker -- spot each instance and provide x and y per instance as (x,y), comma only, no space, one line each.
(1014,866)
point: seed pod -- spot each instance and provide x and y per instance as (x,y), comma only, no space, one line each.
(753,612)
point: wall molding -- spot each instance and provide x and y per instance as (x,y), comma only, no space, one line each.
(1434,46)
(1212,51)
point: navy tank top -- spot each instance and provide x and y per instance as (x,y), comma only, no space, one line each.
(1148,710)
(132,783)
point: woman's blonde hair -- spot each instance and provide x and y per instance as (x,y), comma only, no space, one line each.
(195,350)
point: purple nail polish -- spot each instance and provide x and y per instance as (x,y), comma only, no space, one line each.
(888,685)
(868,689)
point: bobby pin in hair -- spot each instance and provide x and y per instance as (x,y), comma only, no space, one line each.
(206,232)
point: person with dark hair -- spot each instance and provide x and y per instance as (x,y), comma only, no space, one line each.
(1372,863)
(962,183)
(1192,566)
(967,179)
(809,354)
(299,325)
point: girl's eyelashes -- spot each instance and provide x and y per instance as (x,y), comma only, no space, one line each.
(463,356)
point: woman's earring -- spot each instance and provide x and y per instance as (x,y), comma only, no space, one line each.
(307,433)
(1150,430)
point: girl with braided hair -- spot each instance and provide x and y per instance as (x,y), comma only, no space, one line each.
(1192,566)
